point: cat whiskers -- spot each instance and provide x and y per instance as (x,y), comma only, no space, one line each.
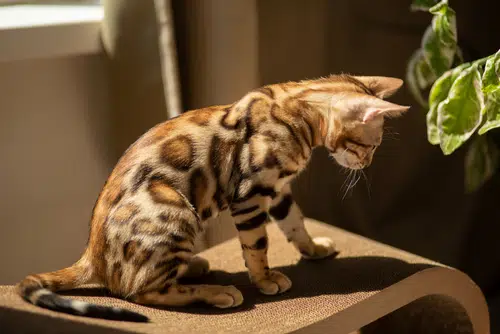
(352,179)
(390,134)
(343,153)
(367,182)
(347,179)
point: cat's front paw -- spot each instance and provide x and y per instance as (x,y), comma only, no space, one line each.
(273,283)
(323,247)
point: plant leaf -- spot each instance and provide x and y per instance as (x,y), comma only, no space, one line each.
(481,162)
(491,90)
(438,7)
(460,114)
(439,92)
(491,111)
(432,53)
(440,39)
(424,5)
(411,77)
(491,72)
(424,74)
(441,87)
(432,128)
(445,25)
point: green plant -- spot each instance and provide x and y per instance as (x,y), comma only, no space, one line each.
(464,98)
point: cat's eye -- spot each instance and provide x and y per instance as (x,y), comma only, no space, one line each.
(357,143)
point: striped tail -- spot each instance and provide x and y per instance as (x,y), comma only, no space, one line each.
(39,290)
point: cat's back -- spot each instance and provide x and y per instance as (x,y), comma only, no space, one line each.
(181,133)
(172,150)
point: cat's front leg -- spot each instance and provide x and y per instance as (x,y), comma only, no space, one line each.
(250,222)
(290,220)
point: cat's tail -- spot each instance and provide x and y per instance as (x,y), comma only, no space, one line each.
(40,290)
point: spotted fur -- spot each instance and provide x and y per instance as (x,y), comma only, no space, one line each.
(186,170)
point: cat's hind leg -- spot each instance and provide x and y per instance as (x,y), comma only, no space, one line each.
(180,295)
(197,267)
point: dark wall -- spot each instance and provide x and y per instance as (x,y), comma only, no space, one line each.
(413,197)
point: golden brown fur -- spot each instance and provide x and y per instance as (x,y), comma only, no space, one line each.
(239,157)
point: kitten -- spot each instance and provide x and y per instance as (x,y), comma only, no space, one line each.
(240,157)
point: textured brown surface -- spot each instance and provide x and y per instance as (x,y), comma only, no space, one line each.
(338,294)
(429,315)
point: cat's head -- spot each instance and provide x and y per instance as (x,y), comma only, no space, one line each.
(356,119)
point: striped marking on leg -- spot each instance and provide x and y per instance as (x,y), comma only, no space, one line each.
(281,210)
(252,223)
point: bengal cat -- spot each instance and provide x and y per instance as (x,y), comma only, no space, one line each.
(240,157)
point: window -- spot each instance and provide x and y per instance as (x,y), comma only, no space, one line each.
(49,28)
(42,2)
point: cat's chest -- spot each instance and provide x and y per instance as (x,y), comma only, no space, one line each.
(274,178)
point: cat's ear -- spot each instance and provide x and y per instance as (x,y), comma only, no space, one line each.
(374,107)
(382,87)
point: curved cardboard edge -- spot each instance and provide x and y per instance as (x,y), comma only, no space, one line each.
(432,281)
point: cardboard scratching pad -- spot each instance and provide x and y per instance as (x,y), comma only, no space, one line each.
(368,285)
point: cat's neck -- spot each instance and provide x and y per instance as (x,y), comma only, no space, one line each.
(305,103)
